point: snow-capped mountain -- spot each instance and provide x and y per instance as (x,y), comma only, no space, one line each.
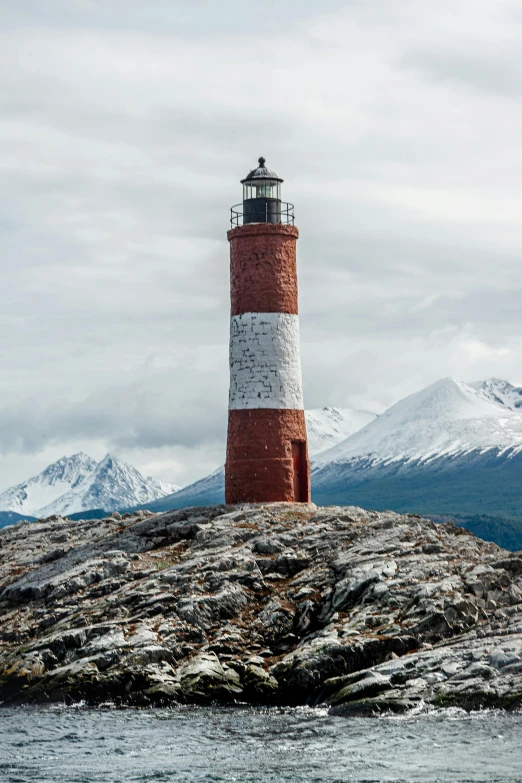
(500,391)
(445,419)
(325,427)
(452,448)
(56,480)
(79,483)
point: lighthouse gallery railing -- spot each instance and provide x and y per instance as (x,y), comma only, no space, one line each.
(285,215)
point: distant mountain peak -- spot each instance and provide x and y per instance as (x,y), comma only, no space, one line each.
(64,475)
(79,483)
(111,459)
(446,418)
(452,448)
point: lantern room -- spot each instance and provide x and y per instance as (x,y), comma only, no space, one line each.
(261,200)
(262,195)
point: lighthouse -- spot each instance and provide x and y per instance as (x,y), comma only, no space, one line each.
(267,453)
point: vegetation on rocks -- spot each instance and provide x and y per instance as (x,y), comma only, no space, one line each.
(276,604)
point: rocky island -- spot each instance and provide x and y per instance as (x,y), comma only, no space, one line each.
(278,604)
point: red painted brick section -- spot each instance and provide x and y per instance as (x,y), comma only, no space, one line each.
(263,275)
(259,481)
(259,465)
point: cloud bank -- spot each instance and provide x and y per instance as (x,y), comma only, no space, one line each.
(124,131)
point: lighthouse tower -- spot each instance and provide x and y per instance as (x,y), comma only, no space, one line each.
(267,454)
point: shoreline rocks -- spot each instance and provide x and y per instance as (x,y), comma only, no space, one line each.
(280,604)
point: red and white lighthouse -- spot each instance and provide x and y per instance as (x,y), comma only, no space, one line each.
(267,453)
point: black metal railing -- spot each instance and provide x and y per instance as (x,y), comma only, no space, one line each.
(283,215)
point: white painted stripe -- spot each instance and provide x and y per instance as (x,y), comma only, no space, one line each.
(265,365)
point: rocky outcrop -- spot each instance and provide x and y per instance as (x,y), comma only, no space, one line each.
(277,604)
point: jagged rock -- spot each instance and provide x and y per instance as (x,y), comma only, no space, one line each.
(356,686)
(267,546)
(279,604)
(277,619)
(204,677)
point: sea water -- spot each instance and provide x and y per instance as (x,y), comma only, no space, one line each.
(243,745)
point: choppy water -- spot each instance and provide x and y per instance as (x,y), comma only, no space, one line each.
(255,746)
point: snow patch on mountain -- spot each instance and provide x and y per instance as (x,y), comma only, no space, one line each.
(501,392)
(163,487)
(445,419)
(327,426)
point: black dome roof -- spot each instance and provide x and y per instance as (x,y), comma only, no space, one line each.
(261,173)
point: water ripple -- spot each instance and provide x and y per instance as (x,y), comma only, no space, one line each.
(64,745)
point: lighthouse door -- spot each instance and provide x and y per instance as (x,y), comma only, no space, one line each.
(298,460)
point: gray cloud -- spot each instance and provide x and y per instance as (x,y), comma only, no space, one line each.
(124,129)
(492,75)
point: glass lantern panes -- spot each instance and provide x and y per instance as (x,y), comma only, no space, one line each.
(261,188)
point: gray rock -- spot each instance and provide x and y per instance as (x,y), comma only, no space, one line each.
(204,677)
(267,546)
(278,603)
(356,686)
(276,620)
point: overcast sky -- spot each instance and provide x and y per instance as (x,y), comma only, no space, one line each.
(125,128)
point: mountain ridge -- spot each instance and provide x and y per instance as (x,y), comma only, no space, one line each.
(55,480)
(500,391)
(446,418)
(465,462)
